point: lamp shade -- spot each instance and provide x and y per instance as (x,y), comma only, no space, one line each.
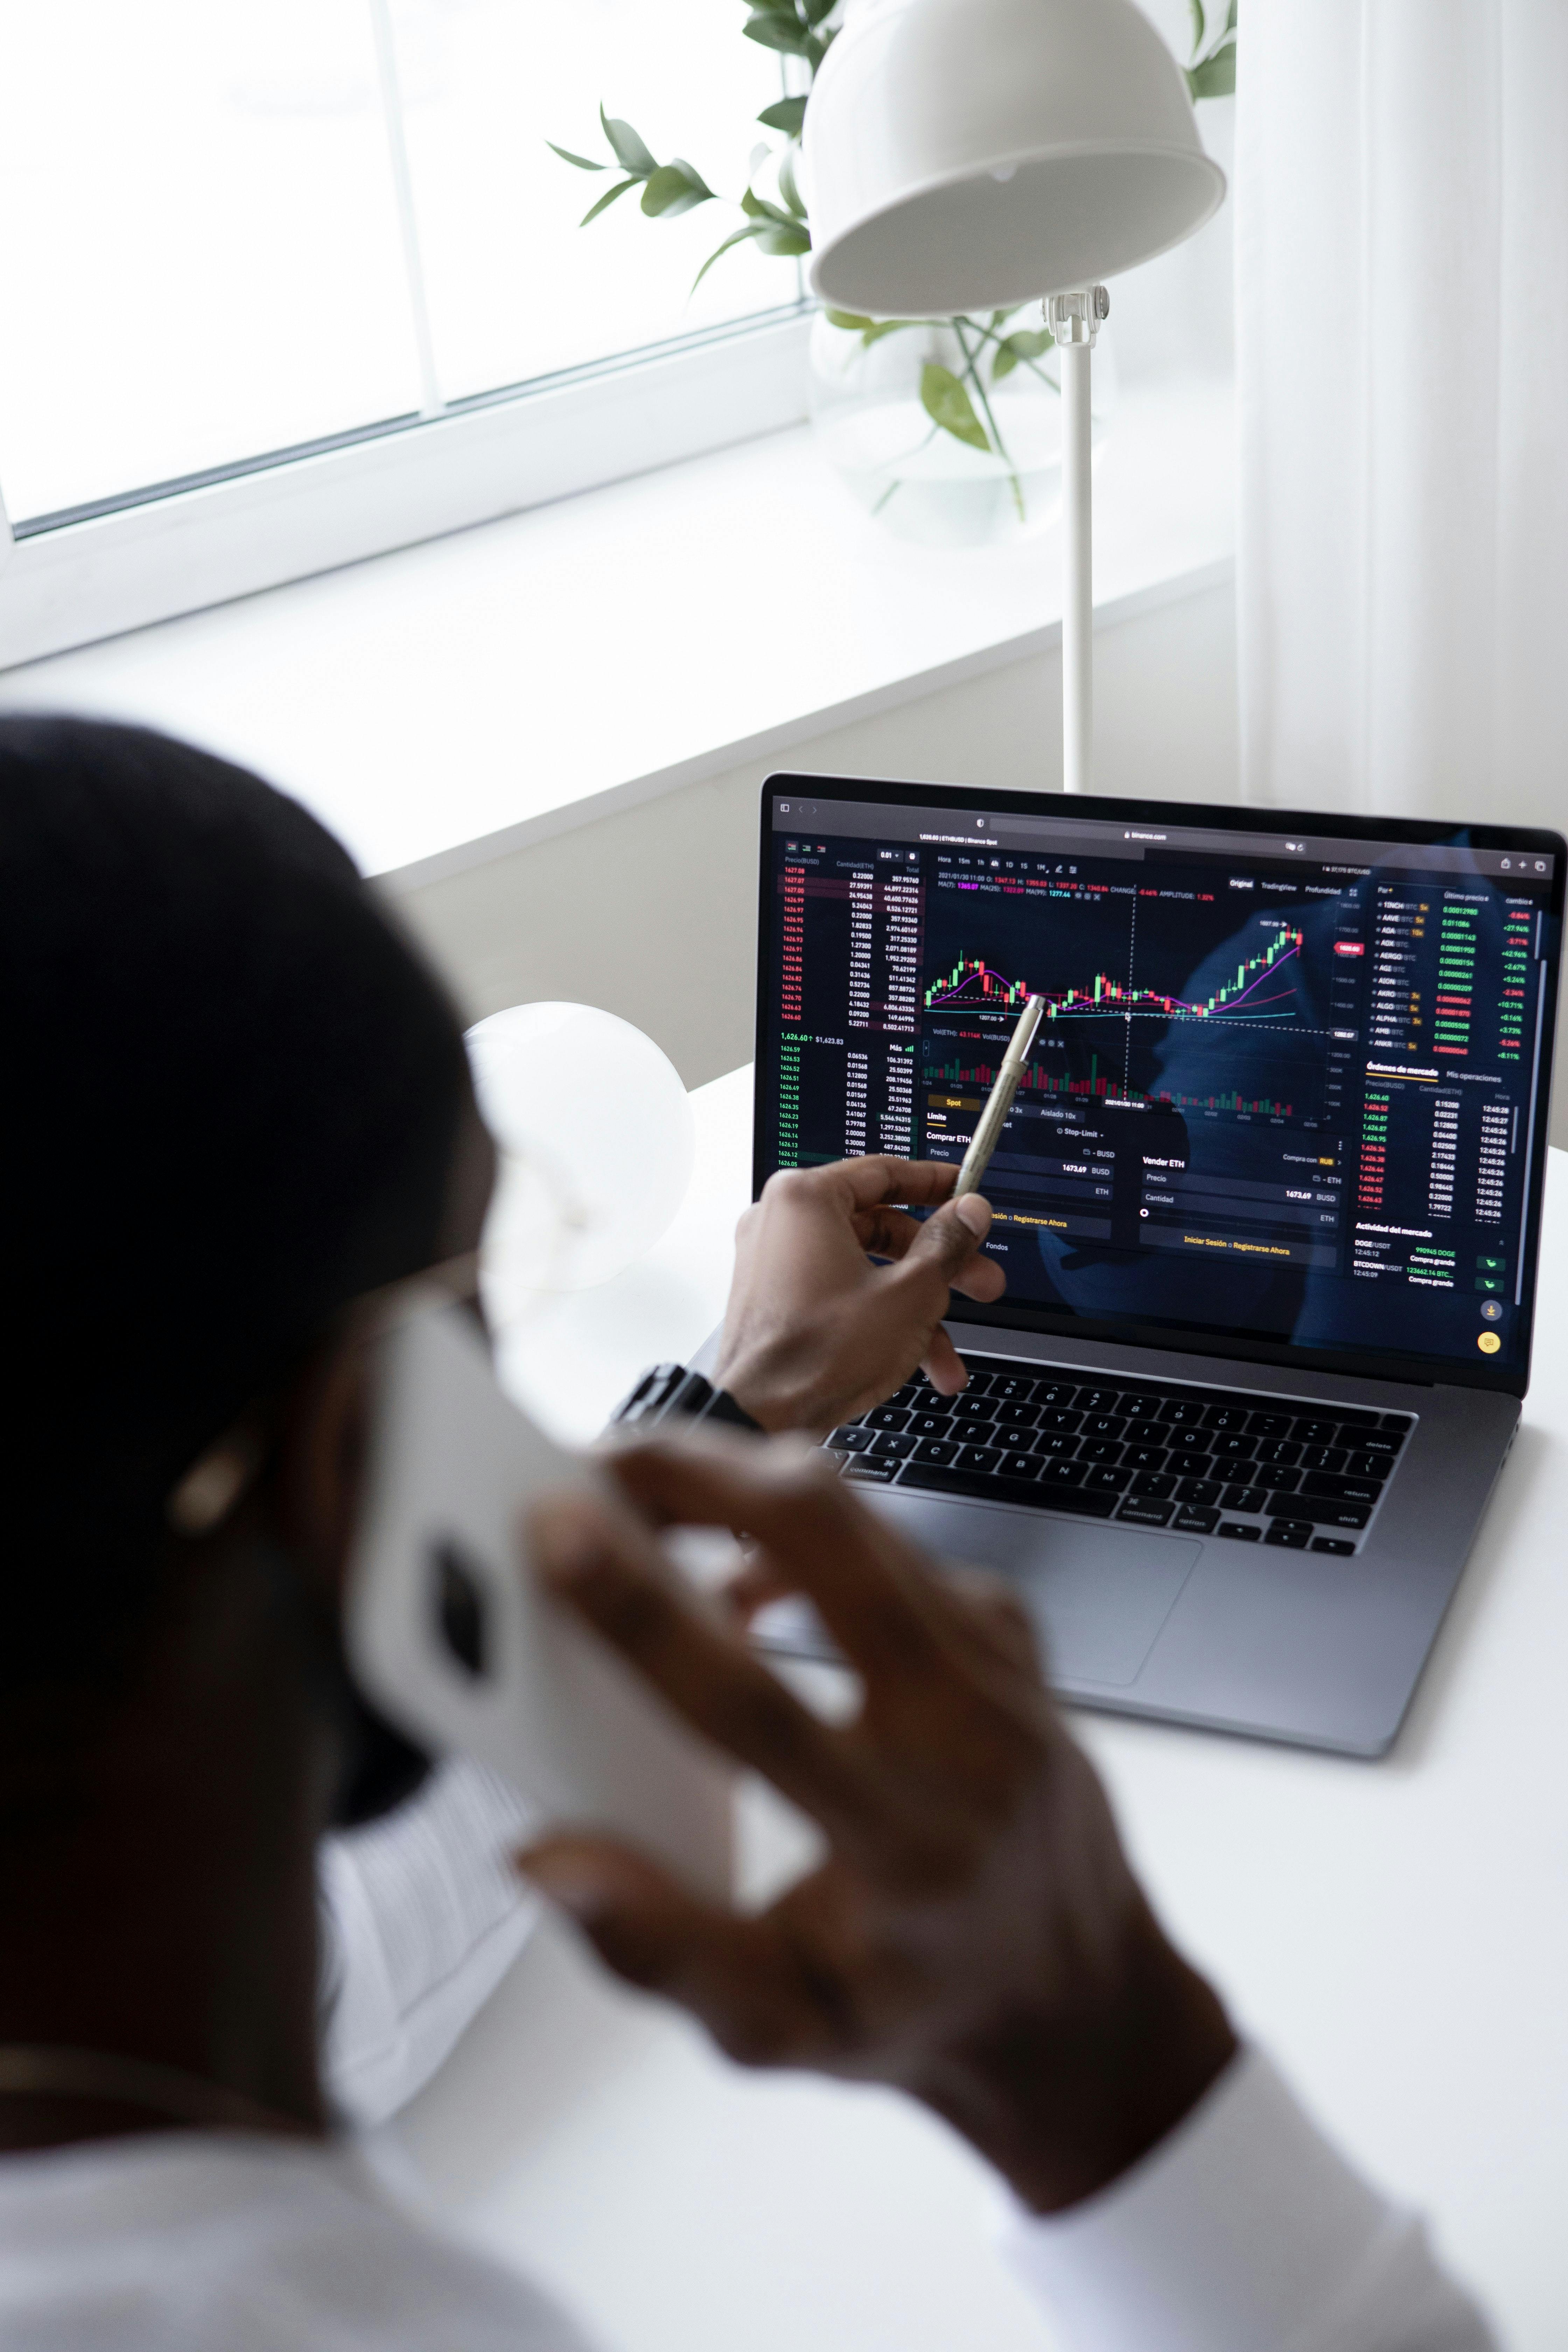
(971,154)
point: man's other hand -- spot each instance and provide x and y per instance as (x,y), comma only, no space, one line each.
(815,1333)
(975,1936)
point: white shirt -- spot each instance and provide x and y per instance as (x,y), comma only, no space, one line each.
(422,1914)
(1245,2231)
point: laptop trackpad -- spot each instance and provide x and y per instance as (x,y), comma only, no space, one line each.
(1098,1595)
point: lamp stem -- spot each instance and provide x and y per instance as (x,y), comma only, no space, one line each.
(1078,575)
(1074,320)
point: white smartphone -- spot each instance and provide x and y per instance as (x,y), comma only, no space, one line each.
(450,1636)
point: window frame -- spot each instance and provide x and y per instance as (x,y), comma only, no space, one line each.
(180,547)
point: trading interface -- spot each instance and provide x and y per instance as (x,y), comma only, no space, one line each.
(1281,1088)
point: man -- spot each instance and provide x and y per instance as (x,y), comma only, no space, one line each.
(237,1108)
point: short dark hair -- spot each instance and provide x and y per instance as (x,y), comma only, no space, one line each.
(232,1095)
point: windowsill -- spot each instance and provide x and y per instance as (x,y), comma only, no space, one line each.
(451,701)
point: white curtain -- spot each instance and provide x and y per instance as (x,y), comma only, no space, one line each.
(1402,258)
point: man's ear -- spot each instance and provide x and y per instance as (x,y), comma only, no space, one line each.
(325,1431)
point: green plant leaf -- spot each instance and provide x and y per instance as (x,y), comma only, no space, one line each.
(947,403)
(1231,15)
(1200,29)
(757,208)
(785,33)
(739,237)
(1213,76)
(582,162)
(870,330)
(630,153)
(675,188)
(770,238)
(607,200)
(787,188)
(813,11)
(787,114)
(1028,343)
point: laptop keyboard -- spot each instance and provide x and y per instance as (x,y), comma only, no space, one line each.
(1151,1454)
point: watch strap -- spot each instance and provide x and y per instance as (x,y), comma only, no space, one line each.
(669,1390)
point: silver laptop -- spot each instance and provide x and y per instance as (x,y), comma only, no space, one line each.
(1269,1204)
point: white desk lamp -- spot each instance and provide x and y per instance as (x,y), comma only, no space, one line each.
(970,154)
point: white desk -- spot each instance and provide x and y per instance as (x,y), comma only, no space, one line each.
(1396,1932)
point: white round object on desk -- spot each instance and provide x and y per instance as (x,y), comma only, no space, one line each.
(595,1138)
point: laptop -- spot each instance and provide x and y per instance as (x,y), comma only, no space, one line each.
(1269,1203)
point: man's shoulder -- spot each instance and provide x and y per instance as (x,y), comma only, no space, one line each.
(178,2242)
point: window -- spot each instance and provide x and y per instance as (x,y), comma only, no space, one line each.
(233,234)
(283,286)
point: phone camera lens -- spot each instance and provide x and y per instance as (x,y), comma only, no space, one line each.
(459,1607)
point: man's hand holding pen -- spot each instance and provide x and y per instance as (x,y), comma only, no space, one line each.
(816,1332)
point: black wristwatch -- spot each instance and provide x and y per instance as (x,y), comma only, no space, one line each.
(669,1389)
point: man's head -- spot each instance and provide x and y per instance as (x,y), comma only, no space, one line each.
(234,1102)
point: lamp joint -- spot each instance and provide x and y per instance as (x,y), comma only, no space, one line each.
(1077,317)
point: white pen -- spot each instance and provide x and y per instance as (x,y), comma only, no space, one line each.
(999,1101)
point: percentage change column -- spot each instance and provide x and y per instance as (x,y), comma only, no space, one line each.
(899,910)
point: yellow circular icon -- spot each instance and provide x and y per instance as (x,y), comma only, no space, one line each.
(1488,1343)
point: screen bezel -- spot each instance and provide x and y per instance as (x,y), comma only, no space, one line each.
(1176,1339)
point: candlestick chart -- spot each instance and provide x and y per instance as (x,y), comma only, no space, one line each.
(1137,993)
(972,985)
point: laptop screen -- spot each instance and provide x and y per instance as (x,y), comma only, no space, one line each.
(1289,1091)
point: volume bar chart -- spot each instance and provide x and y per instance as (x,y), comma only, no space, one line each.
(981,1075)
